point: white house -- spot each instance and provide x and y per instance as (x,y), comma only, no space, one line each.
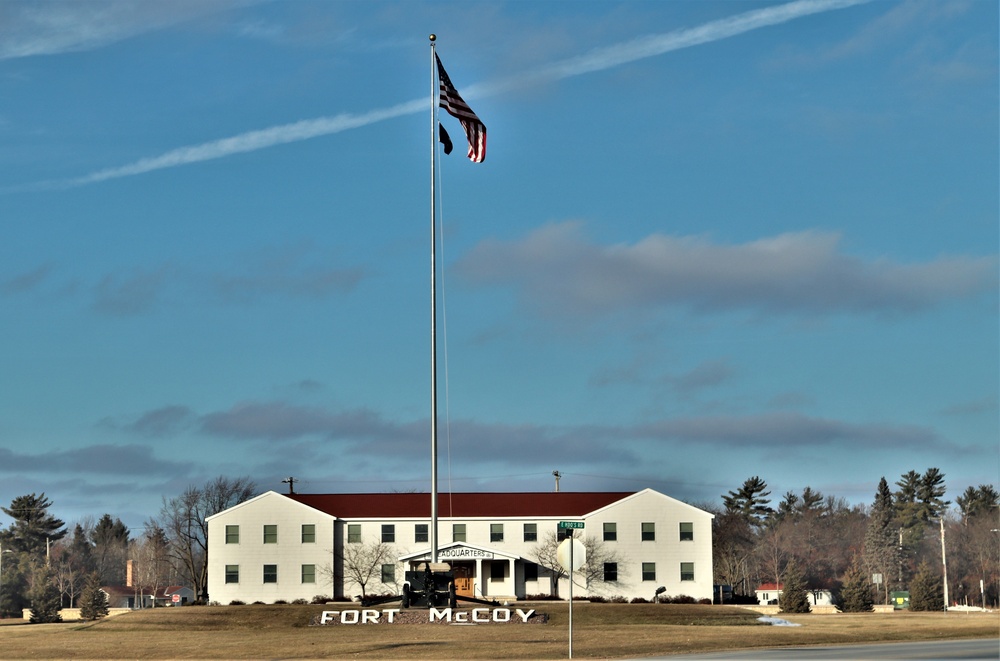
(769,593)
(292,546)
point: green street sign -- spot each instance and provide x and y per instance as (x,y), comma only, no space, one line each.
(570,524)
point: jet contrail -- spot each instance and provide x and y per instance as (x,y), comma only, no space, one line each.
(599,59)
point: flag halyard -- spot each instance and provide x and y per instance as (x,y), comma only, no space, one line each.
(455,105)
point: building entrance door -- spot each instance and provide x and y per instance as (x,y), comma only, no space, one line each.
(463,580)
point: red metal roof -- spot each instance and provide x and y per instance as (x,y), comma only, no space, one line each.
(462,505)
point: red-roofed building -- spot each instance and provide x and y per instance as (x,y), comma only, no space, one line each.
(770,593)
(292,546)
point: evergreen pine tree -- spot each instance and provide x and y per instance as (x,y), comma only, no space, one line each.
(926,590)
(881,554)
(44,596)
(93,602)
(33,526)
(750,501)
(794,598)
(856,593)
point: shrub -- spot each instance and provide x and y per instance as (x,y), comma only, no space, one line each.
(926,591)
(257,603)
(638,600)
(617,599)
(93,602)
(681,599)
(794,598)
(856,593)
(280,602)
(45,596)
(705,602)
(320,599)
(299,602)
(237,602)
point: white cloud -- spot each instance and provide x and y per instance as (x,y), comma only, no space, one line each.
(558,270)
(596,60)
(48,27)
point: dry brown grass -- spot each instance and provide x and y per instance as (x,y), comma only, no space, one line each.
(600,631)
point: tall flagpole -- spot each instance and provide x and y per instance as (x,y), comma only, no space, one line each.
(434,407)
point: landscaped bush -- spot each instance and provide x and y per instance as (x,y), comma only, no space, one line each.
(280,602)
(321,599)
(300,602)
(237,602)
(638,600)
(257,603)
(541,597)
(705,602)
(682,599)
(617,599)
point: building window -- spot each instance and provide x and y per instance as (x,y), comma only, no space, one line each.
(308,573)
(610,532)
(496,532)
(308,533)
(561,534)
(270,573)
(420,533)
(458,532)
(388,533)
(232,534)
(649,571)
(687,571)
(353,533)
(531,532)
(270,534)
(610,571)
(530,571)
(389,574)
(687,532)
(232,573)
(498,571)
(649,532)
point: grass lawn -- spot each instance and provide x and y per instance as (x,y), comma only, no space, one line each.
(600,631)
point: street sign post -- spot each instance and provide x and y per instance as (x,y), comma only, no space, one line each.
(571,564)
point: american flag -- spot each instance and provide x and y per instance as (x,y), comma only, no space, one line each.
(451,101)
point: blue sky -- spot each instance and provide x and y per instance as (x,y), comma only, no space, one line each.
(709,241)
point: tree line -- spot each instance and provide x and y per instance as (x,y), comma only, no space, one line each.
(804,540)
(45,566)
(893,544)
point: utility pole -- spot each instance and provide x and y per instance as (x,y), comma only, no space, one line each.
(290,481)
(557,475)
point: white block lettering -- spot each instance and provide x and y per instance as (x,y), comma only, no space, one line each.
(369,616)
(329,616)
(501,615)
(525,614)
(444,614)
(390,613)
(476,612)
(349,617)
(461,616)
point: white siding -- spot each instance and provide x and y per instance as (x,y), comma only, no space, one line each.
(667,551)
(251,553)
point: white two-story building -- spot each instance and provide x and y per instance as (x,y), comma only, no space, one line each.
(293,546)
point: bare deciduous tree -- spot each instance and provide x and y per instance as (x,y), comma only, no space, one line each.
(362,563)
(592,571)
(183,518)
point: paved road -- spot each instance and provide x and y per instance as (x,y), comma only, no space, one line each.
(979,649)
